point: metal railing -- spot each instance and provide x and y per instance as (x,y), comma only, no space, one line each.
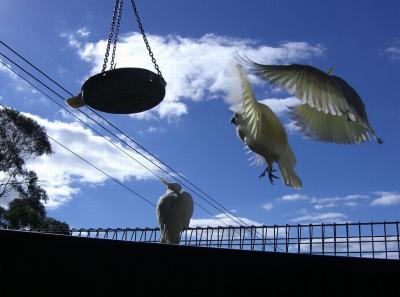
(373,239)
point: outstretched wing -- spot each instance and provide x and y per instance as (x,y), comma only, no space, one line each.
(309,84)
(257,117)
(329,128)
(251,110)
(336,112)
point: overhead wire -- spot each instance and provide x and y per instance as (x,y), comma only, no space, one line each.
(225,210)
(230,215)
(94,130)
(101,135)
(219,206)
(103,172)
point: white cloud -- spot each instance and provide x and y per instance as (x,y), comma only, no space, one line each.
(355,200)
(293,197)
(281,105)
(356,197)
(16,83)
(152,129)
(350,204)
(328,205)
(7,71)
(76,39)
(386,199)
(83,32)
(268,206)
(195,69)
(321,217)
(222,220)
(336,202)
(72,40)
(352,200)
(369,246)
(393,51)
(62,174)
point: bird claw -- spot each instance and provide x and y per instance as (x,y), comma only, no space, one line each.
(265,172)
(272,177)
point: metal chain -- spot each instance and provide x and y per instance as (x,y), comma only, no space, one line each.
(116,34)
(145,38)
(110,35)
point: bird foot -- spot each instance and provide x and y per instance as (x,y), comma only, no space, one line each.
(272,177)
(263,173)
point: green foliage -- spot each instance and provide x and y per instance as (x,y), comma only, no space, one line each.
(21,138)
(31,214)
(51,225)
(25,213)
(31,190)
(3,220)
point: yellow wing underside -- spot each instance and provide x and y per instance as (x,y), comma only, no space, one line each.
(260,119)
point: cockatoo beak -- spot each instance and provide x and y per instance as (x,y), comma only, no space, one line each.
(233,120)
(164,181)
(330,71)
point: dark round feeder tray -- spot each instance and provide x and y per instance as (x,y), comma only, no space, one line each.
(124,90)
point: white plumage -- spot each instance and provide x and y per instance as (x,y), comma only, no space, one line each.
(261,130)
(174,211)
(332,111)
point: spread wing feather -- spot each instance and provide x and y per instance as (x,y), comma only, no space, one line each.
(250,110)
(332,112)
(314,87)
(329,128)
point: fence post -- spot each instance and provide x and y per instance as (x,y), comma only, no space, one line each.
(334,238)
(372,240)
(323,238)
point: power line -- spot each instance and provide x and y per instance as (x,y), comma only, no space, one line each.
(223,210)
(93,129)
(97,168)
(220,207)
(103,172)
(80,120)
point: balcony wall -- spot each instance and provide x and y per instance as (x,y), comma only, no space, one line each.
(53,265)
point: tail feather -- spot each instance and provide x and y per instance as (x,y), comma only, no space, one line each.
(286,164)
(170,237)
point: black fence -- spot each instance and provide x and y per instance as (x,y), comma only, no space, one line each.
(372,240)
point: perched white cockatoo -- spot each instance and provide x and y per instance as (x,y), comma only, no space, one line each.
(261,130)
(174,211)
(332,111)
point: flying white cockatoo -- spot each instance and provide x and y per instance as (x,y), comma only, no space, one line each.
(261,130)
(331,109)
(174,211)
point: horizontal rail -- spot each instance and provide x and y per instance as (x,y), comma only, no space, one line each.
(362,239)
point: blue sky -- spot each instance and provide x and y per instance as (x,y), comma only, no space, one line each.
(194,42)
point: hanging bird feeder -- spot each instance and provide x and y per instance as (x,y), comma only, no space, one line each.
(122,90)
